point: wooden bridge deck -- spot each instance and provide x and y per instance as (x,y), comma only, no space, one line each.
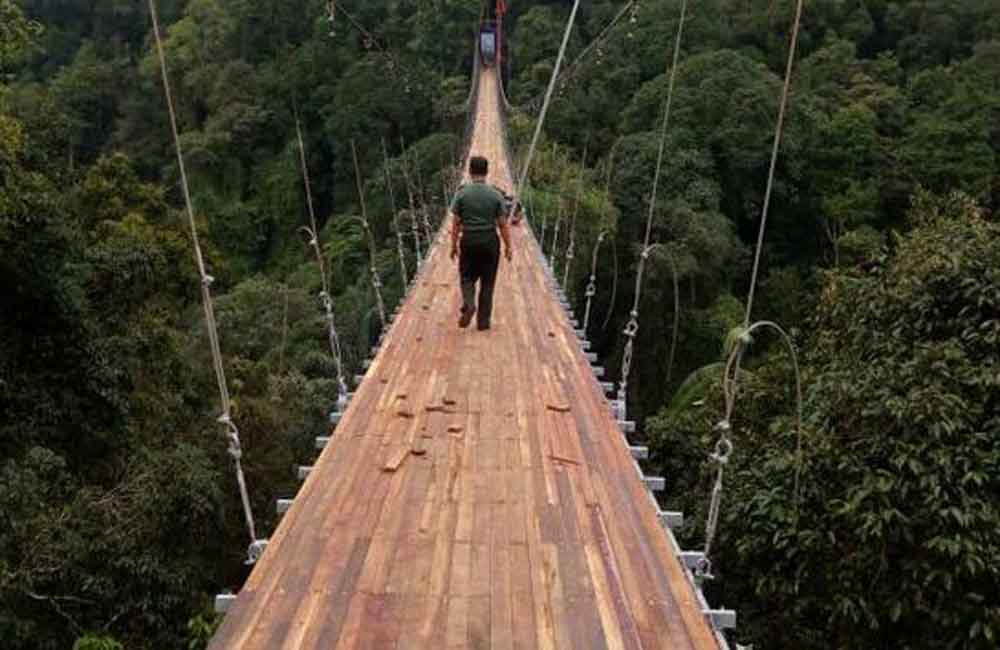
(477,493)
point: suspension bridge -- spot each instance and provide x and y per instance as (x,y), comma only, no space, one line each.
(478,491)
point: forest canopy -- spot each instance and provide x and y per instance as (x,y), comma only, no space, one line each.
(119,513)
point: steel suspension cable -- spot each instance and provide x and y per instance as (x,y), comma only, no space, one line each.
(591,291)
(632,327)
(571,69)
(555,233)
(422,190)
(545,217)
(614,289)
(545,104)
(370,41)
(592,282)
(571,247)
(235,450)
(724,445)
(333,339)
(370,237)
(415,227)
(400,249)
(778,132)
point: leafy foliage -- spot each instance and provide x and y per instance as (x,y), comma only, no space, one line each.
(108,439)
(892,537)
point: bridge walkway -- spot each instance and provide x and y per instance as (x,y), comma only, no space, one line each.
(477,493)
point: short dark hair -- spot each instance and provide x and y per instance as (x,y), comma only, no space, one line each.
(478,166)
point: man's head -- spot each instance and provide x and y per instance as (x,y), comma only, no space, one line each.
(479,167)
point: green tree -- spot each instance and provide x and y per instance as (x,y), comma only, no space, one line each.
(16,34)
(892,538)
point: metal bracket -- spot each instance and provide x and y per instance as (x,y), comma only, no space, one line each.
(639,452)
(655,483)
(283,505)
(671,519)
(722,619)
(223,602)
(322,442)
(692,559)
(303,471)
(627,426)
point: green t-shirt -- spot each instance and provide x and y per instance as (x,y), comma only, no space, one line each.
(479,206)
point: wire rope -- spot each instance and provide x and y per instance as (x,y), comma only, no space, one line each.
(545,105)
(400,248)
(235,450)
(632,327)
(724,446)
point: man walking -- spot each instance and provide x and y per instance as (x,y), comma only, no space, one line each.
(477,214)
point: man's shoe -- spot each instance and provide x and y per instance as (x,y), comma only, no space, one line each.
(466,318)
(482,326)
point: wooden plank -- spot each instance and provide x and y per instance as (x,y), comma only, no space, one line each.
(396,458)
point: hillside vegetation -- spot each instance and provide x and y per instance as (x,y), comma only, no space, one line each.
(119,513)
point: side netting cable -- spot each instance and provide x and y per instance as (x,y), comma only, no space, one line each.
(312,231)
(414,224)
(257,545)
(422,193)
(591,291)
(614,289)
(400,248)
(446,192)
(555,234)
(545,217)
(370,238)
(571,247)
(724,445)
(592,282)
(632,327)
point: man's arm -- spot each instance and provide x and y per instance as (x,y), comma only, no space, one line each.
(456,222)
(456,233)
(505,236)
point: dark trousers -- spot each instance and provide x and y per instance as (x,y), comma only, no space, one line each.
(478,262)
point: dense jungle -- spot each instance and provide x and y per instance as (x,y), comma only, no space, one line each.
(875,525)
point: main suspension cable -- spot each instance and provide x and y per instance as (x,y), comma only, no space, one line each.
(370,41)
(573,68)
(545,105)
